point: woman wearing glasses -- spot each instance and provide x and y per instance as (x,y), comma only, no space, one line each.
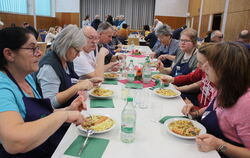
(56,74)
(29,126)
(185,60)
(227,117)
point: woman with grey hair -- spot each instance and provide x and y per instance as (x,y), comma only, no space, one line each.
(56,71)
(168,48)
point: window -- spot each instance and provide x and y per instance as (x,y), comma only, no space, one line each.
(15,6)
(43,7)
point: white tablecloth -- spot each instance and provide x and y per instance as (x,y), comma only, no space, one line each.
(152,140)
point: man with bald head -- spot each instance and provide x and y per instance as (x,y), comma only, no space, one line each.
(90,63)
(244,38)
(216,36)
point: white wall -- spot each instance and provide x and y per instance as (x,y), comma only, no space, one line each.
(177,8)
(68,6)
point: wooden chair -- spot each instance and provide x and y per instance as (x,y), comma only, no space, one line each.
(135,40)
(43,47)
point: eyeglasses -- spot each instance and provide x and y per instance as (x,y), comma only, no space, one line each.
(77,51)
(93,38)
(35,50)
(185,41)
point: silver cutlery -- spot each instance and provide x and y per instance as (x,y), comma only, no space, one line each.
(89,133)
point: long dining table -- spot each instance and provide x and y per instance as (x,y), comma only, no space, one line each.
(152,140)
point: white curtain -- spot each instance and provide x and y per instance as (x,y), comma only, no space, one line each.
(137,12)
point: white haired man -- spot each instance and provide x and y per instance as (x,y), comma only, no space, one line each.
(216,36)
(90,62)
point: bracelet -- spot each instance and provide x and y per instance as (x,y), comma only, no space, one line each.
(197,113)
(222,148)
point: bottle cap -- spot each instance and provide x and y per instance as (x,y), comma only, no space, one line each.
(131,60)
(129,99)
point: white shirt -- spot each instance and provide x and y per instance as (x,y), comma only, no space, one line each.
(85,63)
(159,24)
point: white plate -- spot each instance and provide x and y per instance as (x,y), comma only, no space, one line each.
(195,123)
(153,76)
(164,96)
(101,97)
(112,78)
(81,129)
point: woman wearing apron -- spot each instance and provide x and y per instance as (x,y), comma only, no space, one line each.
(227,117)
(168,48)
(29,126)
(56,73)
(185,60)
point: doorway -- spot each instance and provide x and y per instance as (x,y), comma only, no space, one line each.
(216,21)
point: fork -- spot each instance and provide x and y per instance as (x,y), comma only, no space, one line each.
(89,133)
(191,118)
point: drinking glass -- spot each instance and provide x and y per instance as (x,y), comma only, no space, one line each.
(156,111)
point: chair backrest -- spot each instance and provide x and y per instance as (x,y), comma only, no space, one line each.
(135,40)
(42,36)
(43,47)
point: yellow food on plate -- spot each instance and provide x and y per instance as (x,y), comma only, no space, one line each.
(153,64)
(157,76)
(110,75)
(102,92)
(98,123)
(166,92)
(184,128)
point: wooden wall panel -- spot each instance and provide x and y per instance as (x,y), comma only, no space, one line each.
(18,19)
(238,5)
(67,18)
(174,22)
(213,6)
(232,30)
(194,7)
(45,22)
(204,25)
(196,23)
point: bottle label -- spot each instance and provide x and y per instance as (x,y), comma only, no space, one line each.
(131,75)
(146,76)
(127,129)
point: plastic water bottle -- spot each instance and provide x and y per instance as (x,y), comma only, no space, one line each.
(131,72)
(178,71)
(128,122)
(146,73)
(132,46)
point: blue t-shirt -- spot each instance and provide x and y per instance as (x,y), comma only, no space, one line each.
(11,99)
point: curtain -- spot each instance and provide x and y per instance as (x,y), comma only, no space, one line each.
(15,6)
(137,12)
(43,7)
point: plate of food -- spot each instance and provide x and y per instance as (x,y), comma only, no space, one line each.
(157,76)
(101,93)
(167,92)
(97,123)
(184,128)
(111,76)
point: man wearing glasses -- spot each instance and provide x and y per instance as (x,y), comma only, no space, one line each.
(216,36)
(90,63)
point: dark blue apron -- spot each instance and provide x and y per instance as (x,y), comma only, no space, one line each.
(184,67)
(36,109)
(211,123)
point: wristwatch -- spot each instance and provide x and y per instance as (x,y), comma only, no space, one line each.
(222,148)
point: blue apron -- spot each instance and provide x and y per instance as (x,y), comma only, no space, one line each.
(210,121)
(184,67)
(36,109)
